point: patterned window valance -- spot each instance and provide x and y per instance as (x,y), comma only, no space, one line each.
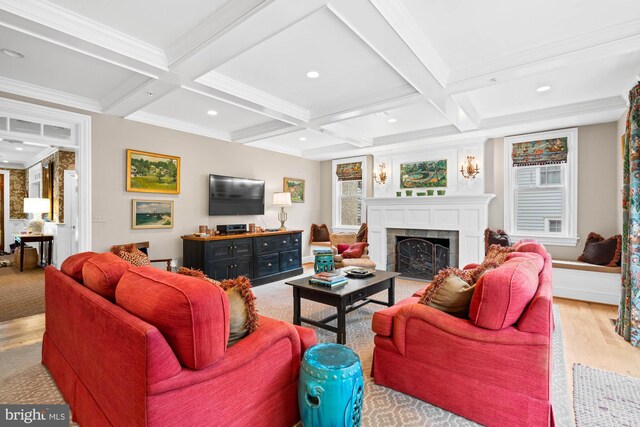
(349,171)
(542,152)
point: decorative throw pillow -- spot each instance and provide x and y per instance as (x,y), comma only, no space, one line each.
(342,247)
(244,315)
(319,233)
(362,233)
(355,251)
(450,292)
(131,254)
(601,251)
(495,237)
(476,273)
(498,253)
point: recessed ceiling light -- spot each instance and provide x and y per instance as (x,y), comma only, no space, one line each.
(302,138)
(313,74)
(12,53)
(543,88)
(392,120)
(212,112)
(19,148)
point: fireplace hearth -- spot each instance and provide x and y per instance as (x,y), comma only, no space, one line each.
(421,257)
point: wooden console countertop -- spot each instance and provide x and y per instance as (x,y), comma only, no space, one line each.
(237,236)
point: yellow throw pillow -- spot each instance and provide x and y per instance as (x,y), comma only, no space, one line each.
(238,316)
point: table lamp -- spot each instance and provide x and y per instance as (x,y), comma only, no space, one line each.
(282,199)
(36,206)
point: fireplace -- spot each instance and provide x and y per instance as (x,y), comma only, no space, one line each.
(447,242)
(421,257)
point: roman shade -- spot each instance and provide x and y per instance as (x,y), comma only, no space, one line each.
(542,152)
(349,171)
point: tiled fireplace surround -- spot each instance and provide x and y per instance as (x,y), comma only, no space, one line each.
(464,216)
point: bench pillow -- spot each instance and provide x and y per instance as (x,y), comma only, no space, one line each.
(72,266)
(192,314)
(102,272)
(502,294)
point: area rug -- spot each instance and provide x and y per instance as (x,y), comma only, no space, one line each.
(605,399)
(29,382)
(21,293)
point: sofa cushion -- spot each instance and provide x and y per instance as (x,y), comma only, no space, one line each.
(450,292)
(102,272)
(355,251)
(601,251)
(536,258)
(495,237)
(192,314)
(72,266)
(131,254)
(502,294)
(498,253)
(530,245)
(361,235)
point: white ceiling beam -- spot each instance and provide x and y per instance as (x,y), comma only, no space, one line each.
(366,22)
(168,122)
(57,97)
(263,131)
(365,110)
(52,23)
(223,19)
(345,133)
(591,46)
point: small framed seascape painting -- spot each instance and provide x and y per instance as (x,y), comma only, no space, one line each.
(152,172)
(294,186)
(151,214)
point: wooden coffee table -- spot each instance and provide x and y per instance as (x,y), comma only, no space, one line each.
(346,298)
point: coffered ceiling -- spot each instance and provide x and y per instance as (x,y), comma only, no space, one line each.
(327,79)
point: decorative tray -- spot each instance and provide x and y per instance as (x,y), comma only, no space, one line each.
(358,272)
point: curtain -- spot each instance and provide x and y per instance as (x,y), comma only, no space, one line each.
(542,152)
(628,324)
(349,171)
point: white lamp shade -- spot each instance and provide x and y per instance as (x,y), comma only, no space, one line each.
(36,205)
(282,199)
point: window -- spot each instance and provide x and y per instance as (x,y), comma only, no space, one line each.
(349,190)
(541,187)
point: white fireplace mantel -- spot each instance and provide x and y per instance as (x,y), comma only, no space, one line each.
(467,214)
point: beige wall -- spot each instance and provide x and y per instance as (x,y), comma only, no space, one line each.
(597,184)
(200,156)
(326,205)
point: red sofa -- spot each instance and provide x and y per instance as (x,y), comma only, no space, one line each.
(493,368)
(168,363)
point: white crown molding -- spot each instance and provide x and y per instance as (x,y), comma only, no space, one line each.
(569,110)
(220,21)
(168,122)
(586,47)
(403,23)
(348,135)
(416,135)
(226,84)
(50,95)
(51,15)
(116,96)
(273,147)
(263,131)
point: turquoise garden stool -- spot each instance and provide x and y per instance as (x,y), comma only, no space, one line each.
(323,262)
(331,387)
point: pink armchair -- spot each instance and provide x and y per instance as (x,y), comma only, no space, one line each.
(496,375)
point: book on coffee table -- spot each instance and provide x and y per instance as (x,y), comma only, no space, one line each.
(328,278)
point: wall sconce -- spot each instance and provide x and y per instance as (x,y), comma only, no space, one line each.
(469,168)
(380,177)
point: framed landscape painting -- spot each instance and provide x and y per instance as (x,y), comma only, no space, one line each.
(151,214)
(423,174)
(152,172)
(294,186)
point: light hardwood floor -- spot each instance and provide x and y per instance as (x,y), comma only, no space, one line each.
(589,337)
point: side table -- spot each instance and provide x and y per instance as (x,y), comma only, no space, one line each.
(21,239)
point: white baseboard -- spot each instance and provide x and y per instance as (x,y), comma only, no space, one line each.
(590,286)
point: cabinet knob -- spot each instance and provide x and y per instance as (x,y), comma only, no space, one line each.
(284,242)
(296,240)
(290,260)
(265,244)
(269,265)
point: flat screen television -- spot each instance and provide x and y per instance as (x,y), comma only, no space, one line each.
(229,195)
